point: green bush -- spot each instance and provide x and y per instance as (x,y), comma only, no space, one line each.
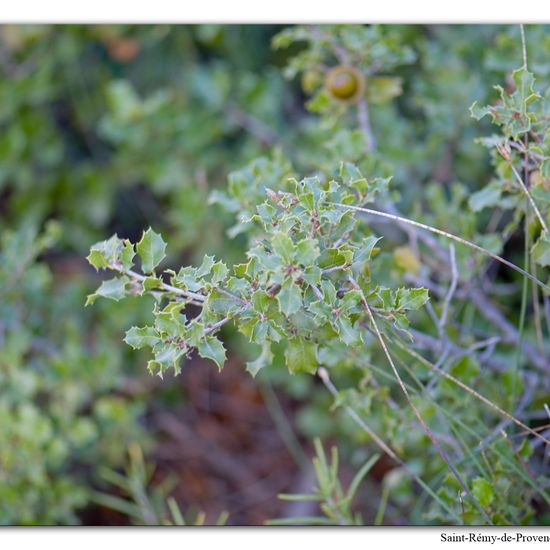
(319,288)
(372,233)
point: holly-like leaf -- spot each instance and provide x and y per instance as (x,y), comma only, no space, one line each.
(167,356)
(222,303)
(127,255)
(219,273)
(283,246)
(263,360)
(512,112)
(212,348)
(206,266)
(96,258)
(105,253)
(151,249)
(331,257)
(150,283)
(478,112)
(307,251)
(139,337)
(114,289)
(301,355)
(347,332)
(351,175)
(289,298)
(411,298)
(364,253)
(187,279)
(525,82)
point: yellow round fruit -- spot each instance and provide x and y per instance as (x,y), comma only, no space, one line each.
(345,83)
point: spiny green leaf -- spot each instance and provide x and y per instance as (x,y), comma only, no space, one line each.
(347,332)
(206,266)
(525,81)
(212,348)
(168,356)
(282,245)
(127,255)
(264,259)
(114,289)
(97,259)
(149,283)
(307,251)
(194,332)
(350,174)
(104,253)
(187,279)
(478,112)
(221,303)
(151,250)
(139,337)
(411,298)
(170,322)
(289,298)
(301,355)
(263,360)
(364,253)
(331,257)
(219,273)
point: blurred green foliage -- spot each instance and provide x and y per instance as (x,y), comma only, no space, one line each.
(103,128)
(63,401)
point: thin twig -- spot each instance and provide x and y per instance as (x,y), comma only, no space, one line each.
(164,286)
(225,320)
(231,295)
(452,289)
(317,291)
(523,46)
(528,195)
(363,119)
(448,236)
(334,268)
(325,378)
